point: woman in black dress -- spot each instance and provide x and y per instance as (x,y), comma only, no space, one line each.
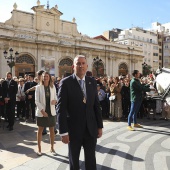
(45,99)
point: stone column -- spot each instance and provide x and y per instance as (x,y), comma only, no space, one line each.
(107,66)
(114,66)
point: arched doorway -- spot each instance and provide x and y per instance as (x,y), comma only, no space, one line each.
(123,69)
(25,64)
(98,69)
(65,67)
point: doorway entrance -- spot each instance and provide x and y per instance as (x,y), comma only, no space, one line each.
(65,67)
(25,64)
(123,69)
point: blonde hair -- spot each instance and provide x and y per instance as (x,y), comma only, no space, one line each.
(21,79)
(50,82)
(127,80)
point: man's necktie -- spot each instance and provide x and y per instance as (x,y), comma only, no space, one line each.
(8,83)
(81,82)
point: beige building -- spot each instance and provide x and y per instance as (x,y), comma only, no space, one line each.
(166,51)
(44,41)
(146,40)
(163,31)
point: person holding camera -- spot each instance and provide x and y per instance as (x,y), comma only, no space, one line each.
(136,92)
(20,99)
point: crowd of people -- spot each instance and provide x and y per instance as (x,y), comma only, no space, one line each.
(116,95)
(20,93)
(43,97)
(113,94)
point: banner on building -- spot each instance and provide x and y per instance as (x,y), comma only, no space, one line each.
(48,65)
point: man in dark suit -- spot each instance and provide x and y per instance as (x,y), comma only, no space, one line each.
(10,89)
(1,100)
(30,97)
(79,114)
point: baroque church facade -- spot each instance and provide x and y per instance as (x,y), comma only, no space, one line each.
(44,41)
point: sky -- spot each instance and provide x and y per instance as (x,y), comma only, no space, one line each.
(93,17)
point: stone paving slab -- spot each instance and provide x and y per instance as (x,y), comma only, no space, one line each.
(146,148)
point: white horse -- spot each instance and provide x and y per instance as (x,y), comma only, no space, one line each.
(163,84)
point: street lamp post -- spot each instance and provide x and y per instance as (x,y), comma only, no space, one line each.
(97,61)
(144,64)
(144,68)
(11,59)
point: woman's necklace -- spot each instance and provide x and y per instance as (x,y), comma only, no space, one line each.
(47,91)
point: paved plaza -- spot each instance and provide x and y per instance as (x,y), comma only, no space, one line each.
(143,149)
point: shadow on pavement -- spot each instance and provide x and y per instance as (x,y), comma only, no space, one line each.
(102,167)
(158,123)
(46,138)
(22,140)
(117,153)
(14,141)
(82,163)
(22,150)
(56,157)
(153,131)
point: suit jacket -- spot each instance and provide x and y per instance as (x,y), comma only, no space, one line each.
(40,100)
(1,95)
(73,115)
(10,90)
(29,85)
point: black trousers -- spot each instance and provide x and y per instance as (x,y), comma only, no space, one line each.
(20,108)
(103,105)
(126,107)
(32,103)
(2,110)
(10,112)
(89,144)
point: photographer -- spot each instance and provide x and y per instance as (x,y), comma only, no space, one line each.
(20,99)
(136,92)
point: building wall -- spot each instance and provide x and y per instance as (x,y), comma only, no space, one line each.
(163,31)
(111,35)
(166,53)
(44,36)
(146,40)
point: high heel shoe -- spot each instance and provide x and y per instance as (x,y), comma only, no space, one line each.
(39,154)
(53,152)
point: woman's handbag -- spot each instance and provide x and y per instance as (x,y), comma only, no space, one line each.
(112,97)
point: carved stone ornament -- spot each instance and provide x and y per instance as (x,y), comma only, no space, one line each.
(48,24)
(56,7)
(15,6)
(38,2)
(74,20)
